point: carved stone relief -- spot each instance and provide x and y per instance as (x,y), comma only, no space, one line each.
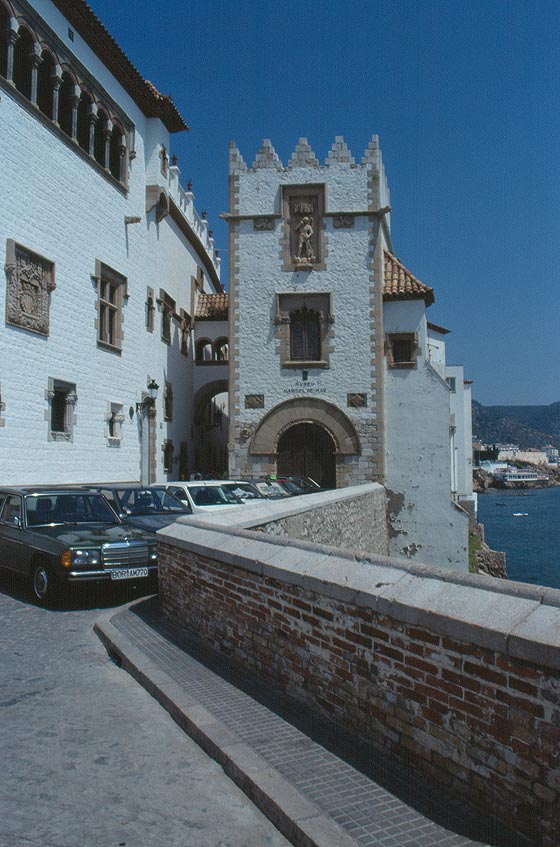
(30,280)
(343,221)
(263,224)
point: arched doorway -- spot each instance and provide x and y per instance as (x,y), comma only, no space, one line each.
(307,449)
(211,428)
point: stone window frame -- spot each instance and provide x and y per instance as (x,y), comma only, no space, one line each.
(168,401)
(318,301)
(114,420)
(104,274)
(68,390)
(319,192)
(393,359)
(185,324)
(150,308)
(168,455)
(40,276)
(167,305)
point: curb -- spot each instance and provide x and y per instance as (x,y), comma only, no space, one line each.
(295,817)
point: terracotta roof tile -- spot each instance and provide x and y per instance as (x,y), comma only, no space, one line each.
(212,307)
(400,284)
(153,104)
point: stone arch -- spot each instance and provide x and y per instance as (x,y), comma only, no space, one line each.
(204,394)
(305,410)
(211,429)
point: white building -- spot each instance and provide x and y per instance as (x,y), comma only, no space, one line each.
(105,259)
(115,350)
(330,362)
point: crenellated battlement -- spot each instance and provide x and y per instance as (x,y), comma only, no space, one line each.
(304,166)
(304,157)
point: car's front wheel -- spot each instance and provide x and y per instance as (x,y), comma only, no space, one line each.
(42,582)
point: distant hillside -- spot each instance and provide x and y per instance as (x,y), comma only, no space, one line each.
(527,426)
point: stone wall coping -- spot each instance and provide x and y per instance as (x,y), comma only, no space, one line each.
(518,619)
(253,514)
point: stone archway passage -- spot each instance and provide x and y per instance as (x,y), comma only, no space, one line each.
(309,410)
(307,449)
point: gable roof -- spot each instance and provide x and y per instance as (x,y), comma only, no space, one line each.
(146,96)
(211,307)
(400,284)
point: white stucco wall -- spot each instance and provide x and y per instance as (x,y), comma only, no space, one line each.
(58,204)
(347,276)
(425,523)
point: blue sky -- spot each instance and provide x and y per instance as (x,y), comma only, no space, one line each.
(465,98)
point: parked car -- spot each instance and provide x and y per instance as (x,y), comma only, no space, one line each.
(149,508)
(269,488)
(244,490)
(62,536)
(204,495)
(298,484)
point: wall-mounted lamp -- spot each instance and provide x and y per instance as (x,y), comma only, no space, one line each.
(148,399)
(132,219)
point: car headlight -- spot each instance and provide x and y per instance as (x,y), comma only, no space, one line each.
(80,558)
(153,554)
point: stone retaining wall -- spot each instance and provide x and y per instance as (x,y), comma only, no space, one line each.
(457,675)
(359,523)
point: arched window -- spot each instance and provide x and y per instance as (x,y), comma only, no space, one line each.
(23,65)
(117,141)
(221,350)
(99,137)
(204,350)
(4,26)
(65,103)
(45,74)
(305,335)
(84,120)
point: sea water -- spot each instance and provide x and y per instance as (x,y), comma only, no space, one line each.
(526,526)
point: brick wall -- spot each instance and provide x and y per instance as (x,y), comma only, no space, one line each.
(456,675)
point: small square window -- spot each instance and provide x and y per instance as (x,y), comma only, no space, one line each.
(402,349)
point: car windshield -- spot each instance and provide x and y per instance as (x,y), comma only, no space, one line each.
(243,490)
(146,501)
(212,495)
(53,508)
(271,489)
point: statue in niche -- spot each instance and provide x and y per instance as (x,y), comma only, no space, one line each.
(305,236)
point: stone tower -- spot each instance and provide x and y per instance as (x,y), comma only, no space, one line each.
(306,248)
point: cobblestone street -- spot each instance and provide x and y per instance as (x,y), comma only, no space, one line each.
(89,758)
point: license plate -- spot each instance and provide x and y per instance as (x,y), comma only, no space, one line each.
(129,573)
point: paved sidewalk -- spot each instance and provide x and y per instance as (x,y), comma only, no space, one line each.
(316,786)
